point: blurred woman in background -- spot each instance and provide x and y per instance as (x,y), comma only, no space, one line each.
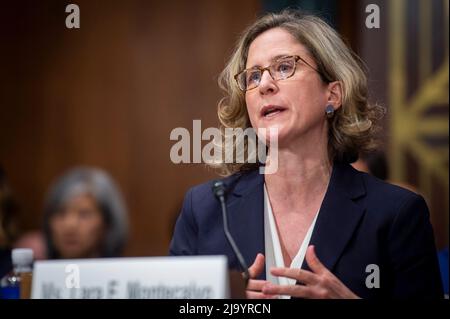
(85,216)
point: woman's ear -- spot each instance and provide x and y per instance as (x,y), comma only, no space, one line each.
(335,94)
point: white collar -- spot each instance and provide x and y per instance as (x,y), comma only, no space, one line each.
(274,256)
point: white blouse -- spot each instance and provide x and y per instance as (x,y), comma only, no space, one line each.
(274,256)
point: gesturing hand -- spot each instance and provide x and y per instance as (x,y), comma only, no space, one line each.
(319,283)
(255,286)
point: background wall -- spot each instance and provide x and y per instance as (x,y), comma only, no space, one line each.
(407,59)
(108,95)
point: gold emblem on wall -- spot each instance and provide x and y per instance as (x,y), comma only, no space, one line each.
(412,122)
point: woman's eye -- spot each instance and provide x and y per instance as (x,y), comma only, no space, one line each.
(253,77)
(284,67)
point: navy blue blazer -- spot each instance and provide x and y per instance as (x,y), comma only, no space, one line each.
(362,221)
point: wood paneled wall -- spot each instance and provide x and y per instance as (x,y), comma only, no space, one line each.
(108,95)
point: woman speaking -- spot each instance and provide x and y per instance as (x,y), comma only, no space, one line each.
(316,227)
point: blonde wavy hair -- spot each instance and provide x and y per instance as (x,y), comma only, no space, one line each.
(354,125)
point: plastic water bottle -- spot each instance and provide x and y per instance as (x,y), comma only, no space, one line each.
(17,284)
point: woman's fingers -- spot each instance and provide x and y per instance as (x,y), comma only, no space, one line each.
(257,267)
(288,290)
(314,262)
(256,285)
(301,275)
(317,283)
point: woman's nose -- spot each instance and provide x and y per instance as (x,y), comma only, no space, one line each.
(71,221)
(267,84)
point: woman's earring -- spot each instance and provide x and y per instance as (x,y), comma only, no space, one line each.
(329,111)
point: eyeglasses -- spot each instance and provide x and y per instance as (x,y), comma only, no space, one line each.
(282,69)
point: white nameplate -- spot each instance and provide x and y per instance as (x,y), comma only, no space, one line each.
(193,277)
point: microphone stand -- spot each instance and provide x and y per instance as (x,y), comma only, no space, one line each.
(219,190)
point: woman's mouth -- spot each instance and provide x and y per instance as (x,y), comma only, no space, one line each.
(270,111)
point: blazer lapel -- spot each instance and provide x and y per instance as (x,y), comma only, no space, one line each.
(339,215)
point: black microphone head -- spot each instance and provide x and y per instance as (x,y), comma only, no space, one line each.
(219,189)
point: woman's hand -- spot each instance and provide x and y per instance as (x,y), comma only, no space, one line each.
(255,286)
(318,284)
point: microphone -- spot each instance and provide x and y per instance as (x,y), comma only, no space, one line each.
(219,190)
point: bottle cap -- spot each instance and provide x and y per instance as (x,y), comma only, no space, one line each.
(22,256)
